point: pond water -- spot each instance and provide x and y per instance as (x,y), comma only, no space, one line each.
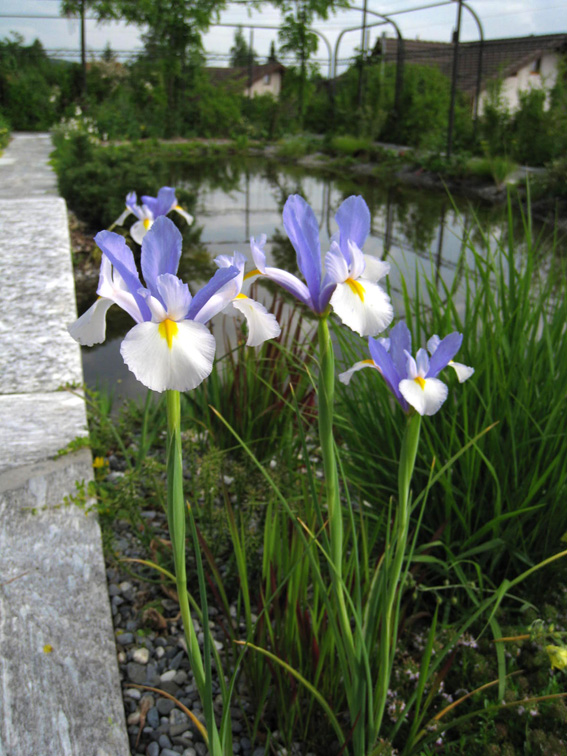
(231,201)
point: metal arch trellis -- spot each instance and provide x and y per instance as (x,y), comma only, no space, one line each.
(268,26)
(400,54)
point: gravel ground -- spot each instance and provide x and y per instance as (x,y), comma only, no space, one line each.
(157,658)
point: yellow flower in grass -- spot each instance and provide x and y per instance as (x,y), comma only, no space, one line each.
(99,462)
(557,656)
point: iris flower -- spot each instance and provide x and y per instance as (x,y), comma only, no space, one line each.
(170,346)
(412,381)
(150,209)
(262,325)
(350,282)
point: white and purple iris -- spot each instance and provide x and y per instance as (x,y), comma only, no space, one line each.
(170,346)
(413,382)
(150,209)
(350,282)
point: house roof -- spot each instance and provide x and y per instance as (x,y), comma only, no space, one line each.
(500,57)
(242,74)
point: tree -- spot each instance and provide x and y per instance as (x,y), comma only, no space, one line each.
(241,54)
(296,37)
(173,39)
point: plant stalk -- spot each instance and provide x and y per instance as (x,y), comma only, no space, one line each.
(176,521)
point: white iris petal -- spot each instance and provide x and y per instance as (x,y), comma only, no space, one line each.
(262,325)
(181,368)
(90,328)
(463,371)
(347,375)
(426,399)
(368,314)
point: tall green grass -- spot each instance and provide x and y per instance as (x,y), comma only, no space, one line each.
(501,507)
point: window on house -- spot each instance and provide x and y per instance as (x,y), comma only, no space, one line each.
(535,67)
(267,79)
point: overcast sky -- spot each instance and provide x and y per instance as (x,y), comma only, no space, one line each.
(500,18)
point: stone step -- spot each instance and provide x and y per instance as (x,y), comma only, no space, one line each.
(59,684)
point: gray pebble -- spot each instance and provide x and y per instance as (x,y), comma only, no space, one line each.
(178,729)
(169,687)
(164,705)
(125,638)
(190,752)
(246,744)
(152,717)
(136,673)
(153,749)
(169,752)
(165,742)
(201,749)
(176,716)
(176,661)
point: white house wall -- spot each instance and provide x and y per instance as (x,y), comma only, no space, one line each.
(261,88)
(512,86)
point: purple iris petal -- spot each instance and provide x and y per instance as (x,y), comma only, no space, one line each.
(303,231)
(221,277)
(353,220)
(161,204)
(422,362)
(391,375)
(291,283)
(122,259)
(131,200)
(161,251)
(175,295)
(400,343)
(444,353)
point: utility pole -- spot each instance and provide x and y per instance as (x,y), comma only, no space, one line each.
(456,40)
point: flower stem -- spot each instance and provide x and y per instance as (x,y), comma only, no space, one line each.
(176,521)
(326,396)
(394,565)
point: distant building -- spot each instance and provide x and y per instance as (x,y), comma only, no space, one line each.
(520,63)
(251,81)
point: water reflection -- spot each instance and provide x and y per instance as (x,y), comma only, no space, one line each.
(420,232)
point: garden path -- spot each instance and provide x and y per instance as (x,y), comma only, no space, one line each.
(59,687)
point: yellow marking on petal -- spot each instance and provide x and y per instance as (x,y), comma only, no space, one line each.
(356,287)
(167,330)
(254,272)
(147,223)
(369,362)
(178,207)
(421,382)
(241,296)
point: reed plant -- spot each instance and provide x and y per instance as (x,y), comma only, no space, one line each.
(500,508)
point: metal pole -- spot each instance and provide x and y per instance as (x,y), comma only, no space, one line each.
(83,54)
(250,62)
(362,48)
(456,38)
